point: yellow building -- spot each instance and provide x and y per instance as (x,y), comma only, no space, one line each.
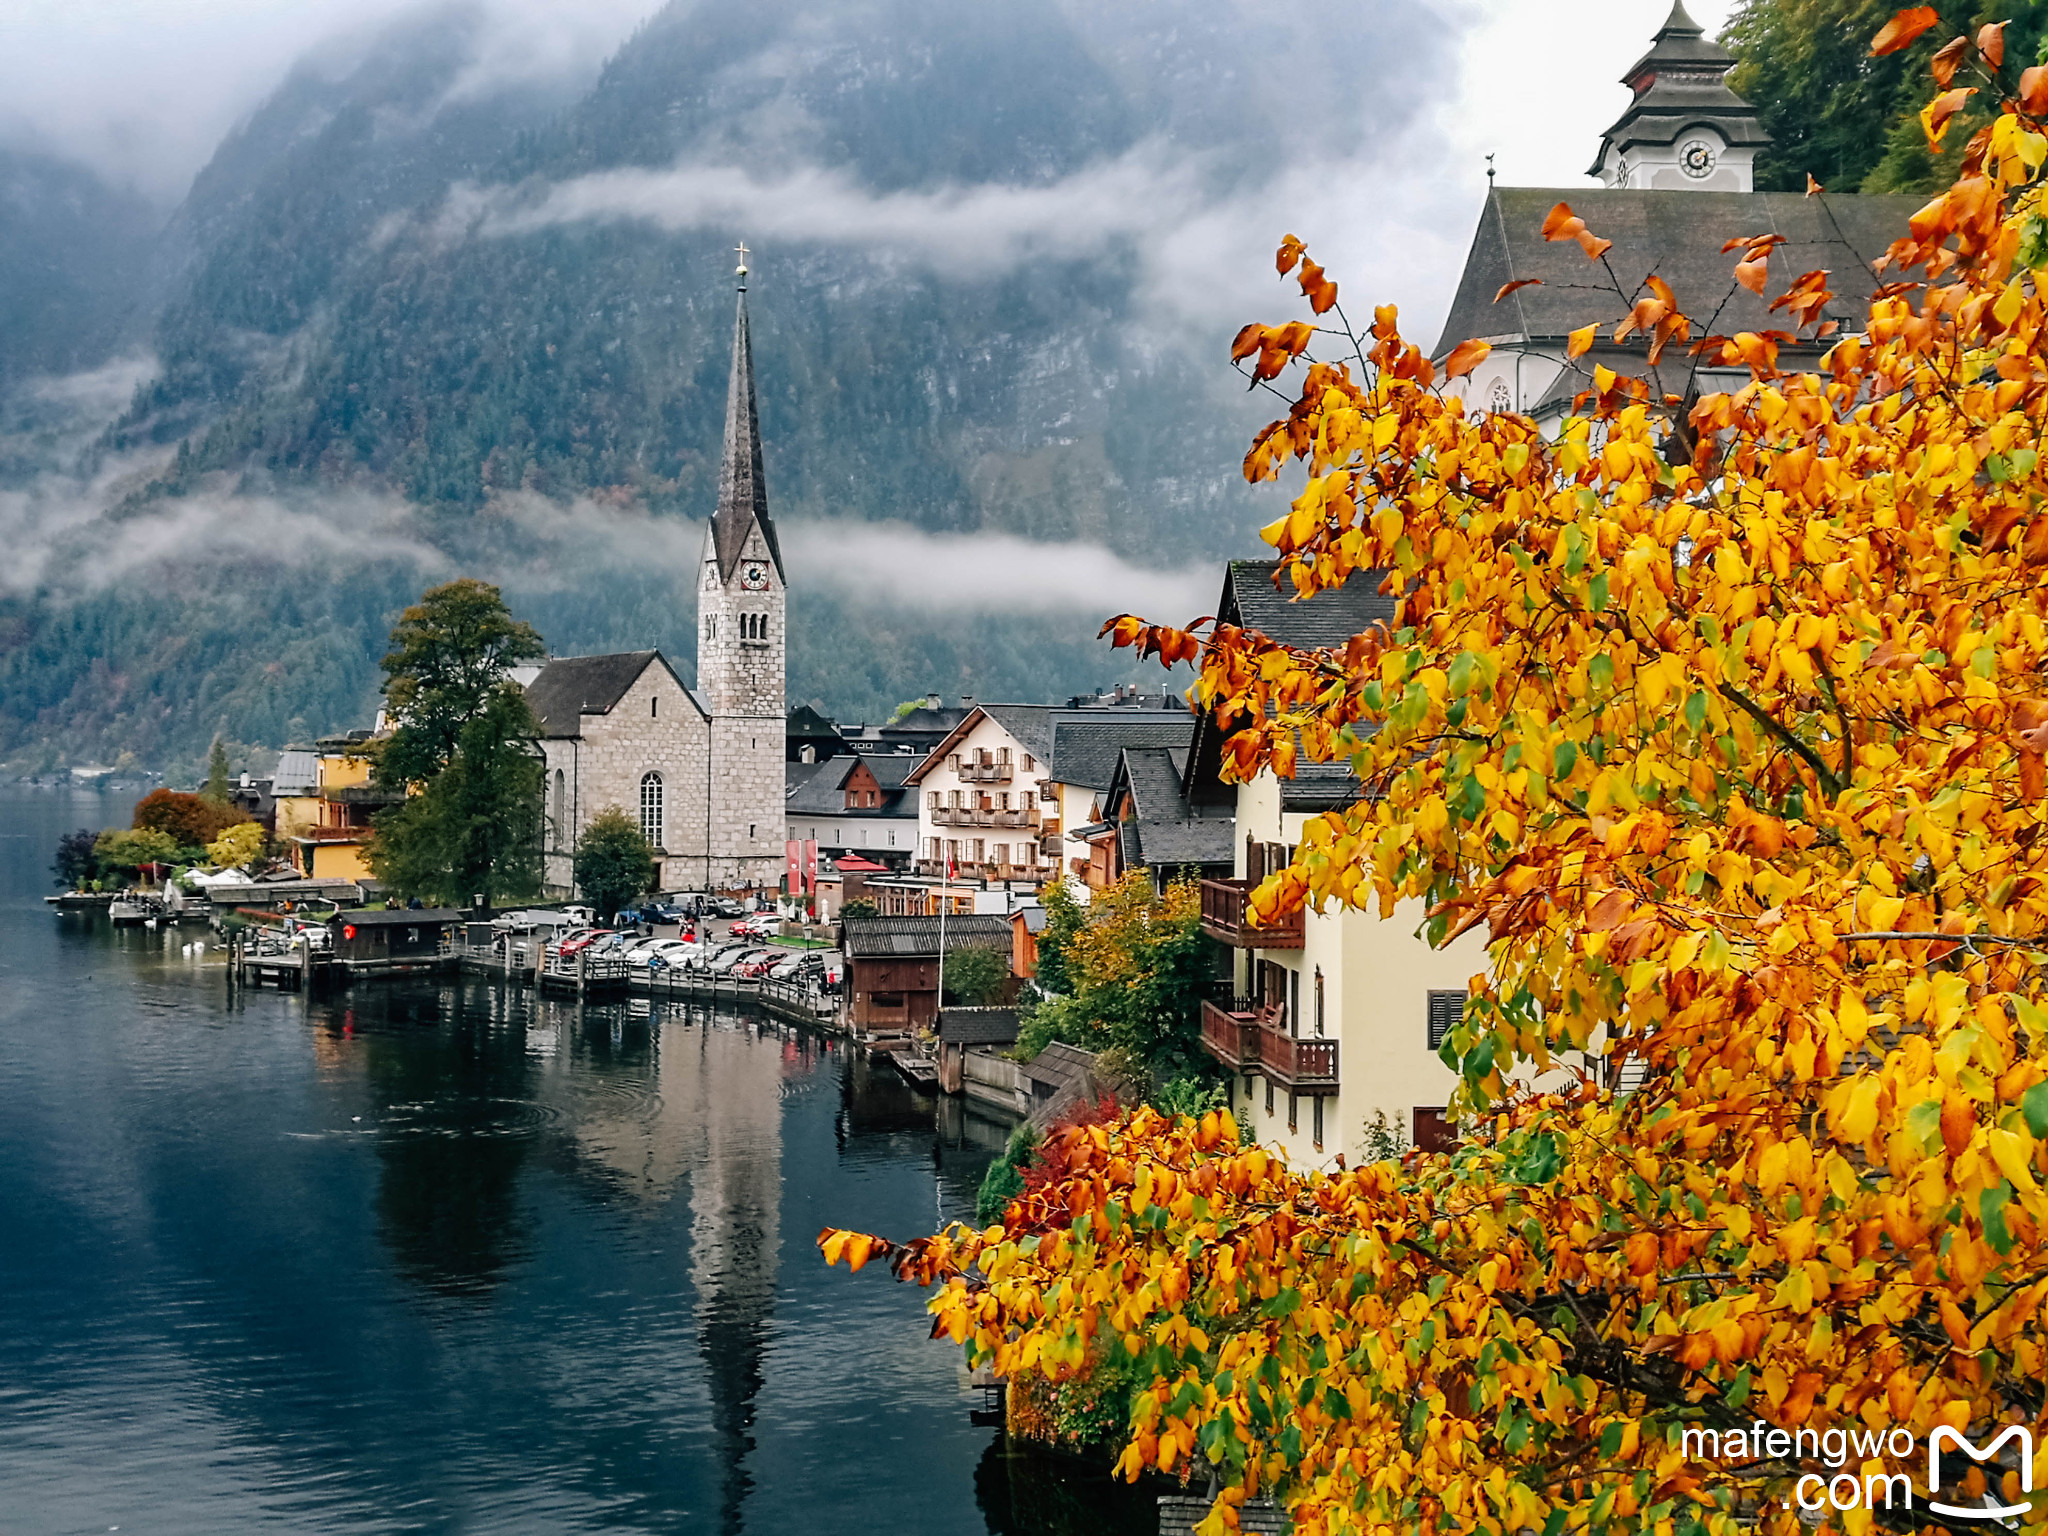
(327,819)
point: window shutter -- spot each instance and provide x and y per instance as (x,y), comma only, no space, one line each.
(1446,1010)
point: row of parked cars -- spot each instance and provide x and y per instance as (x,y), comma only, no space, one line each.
(741,958)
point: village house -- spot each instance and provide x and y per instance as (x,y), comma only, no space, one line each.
(1332,1029)
(1149,823)
(892,964)
(328,825)
(1087,737)
(854,803)
(701,770)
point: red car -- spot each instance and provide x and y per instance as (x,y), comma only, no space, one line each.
(754,970)
(581,939)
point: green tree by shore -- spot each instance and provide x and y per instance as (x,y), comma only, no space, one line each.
(613,862)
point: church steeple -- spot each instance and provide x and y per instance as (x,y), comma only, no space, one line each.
(1685,130)
(742,486)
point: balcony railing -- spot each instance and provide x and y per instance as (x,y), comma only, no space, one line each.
(1230,1033)
(986,773)
(971,816)
(1226,914)
(1247,1038)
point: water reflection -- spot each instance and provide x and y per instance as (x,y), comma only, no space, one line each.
(444,1257)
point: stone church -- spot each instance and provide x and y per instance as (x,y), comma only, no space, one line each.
(700,770)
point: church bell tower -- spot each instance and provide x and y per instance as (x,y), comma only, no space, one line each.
(1685,131)
(742,614)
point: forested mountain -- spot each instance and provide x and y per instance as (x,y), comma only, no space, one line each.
(73,257)
(409,326)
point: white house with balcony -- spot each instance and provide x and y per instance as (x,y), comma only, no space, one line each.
(979,791)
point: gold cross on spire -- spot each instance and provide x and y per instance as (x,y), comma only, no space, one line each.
(743,253)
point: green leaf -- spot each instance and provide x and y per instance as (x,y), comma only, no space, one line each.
(1610,1440)
(1600,674)
(1991,1210)
(1597,593)
(1696,713)
(1738,1389)
(2034,1105)
(1563,759)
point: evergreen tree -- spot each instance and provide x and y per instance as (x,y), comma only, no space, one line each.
(613,862)
(1848,119)
(217,788)
(76,860)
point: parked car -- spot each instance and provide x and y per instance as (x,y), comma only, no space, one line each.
(755,967)
(667,954)
(791,967)
(580,941)
(729,962)
(725,906)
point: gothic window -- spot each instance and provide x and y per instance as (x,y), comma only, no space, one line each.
(650,809)
(561,805)
(1500,399)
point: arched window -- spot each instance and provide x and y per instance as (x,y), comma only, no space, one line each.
(561,808)
(650,809)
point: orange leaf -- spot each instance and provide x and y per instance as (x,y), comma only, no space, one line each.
(1903,28)
(1991,43)
(1934,117)
(2034,89)
(1946,58)
(1561,224)
(1464,357)
(1580,341)
(1751,274)
(1291,250)
(1318,289)
(1520,282)
(1813,188)
(1246,342)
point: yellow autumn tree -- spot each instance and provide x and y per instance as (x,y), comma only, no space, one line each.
(1728,723)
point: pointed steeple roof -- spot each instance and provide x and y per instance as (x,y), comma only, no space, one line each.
(1680,82)
(742,486)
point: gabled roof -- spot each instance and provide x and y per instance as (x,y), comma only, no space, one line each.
(1084,751)
(1163,829)
(875,938)
(574,686)
(297,772)
(819,789)
(1251,601)
(1678,236)
(978,1026)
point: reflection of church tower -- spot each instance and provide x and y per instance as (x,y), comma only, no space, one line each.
(735,1240)
(742,621)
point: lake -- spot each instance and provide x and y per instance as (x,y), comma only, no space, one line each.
(436,1256)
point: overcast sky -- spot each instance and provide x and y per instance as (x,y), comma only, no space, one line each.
(144,89)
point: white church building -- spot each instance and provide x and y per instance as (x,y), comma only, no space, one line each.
(701,770)
(1678,174)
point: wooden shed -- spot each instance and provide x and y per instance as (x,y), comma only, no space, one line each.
(892,966)
(390,940)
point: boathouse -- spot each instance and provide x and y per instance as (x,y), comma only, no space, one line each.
(374,941)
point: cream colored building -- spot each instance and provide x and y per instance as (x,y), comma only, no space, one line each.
(979,795)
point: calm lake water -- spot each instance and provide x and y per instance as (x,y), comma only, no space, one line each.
(437,1257)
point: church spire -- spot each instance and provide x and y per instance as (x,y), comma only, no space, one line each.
(742,487)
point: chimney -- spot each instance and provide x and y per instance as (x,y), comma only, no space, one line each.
(808,755)
(967,701)
(931,701)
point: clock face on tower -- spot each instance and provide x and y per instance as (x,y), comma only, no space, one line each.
(754,576)
(1696,159)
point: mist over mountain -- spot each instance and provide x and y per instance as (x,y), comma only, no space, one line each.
(412,322)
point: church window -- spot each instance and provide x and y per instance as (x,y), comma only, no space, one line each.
(561,805)
(650,809)
(654,708)
(1500,399)
(750,831)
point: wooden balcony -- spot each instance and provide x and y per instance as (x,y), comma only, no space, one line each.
(970,816)
(1226,917)
(985,773)
(1299,1066)
(1247,1038)
(1230,1033)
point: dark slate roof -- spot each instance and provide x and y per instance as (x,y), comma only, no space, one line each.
(398,917)
(574,686)
(873,938)
(1030,725)
(819,789)
(1085,751)
(1677,235)
(978,1026)
(742,482)
(1061,1065)
(1679,83)
(1162,831)
(890,768)
(1251,601)
(1318,787)
(806,724)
